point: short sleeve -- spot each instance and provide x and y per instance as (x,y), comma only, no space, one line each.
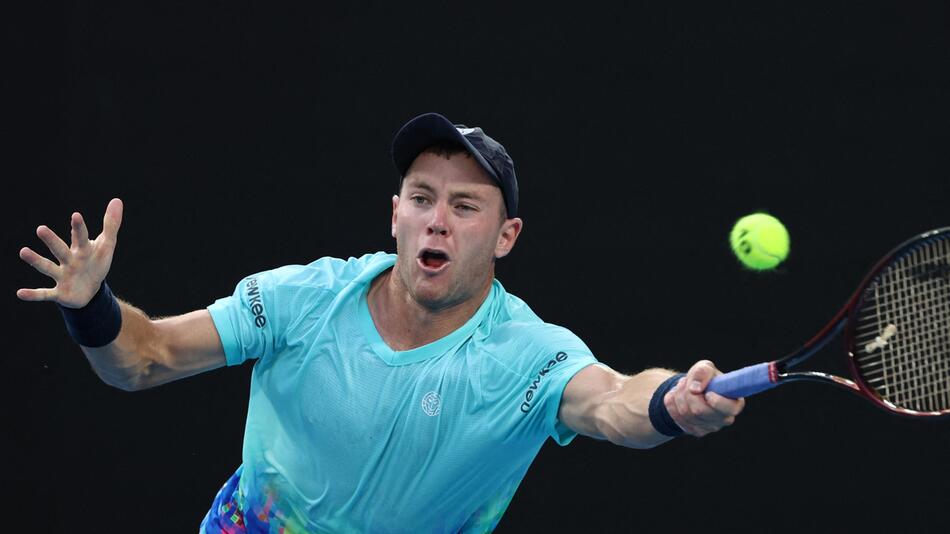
(255,321)
(560,355)
(246,322)
(557,429)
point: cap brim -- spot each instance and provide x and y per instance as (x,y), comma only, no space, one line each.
(426,130)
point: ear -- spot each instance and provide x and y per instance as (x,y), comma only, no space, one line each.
(510,230)
(395,207)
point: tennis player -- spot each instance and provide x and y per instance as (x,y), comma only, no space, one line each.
(403,392)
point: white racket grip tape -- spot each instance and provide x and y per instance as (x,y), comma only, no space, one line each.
(746,381)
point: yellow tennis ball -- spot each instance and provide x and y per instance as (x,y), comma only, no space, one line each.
(760,241)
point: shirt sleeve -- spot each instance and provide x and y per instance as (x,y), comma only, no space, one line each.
(257,319)
(562,354)
(247,322)
(556,428)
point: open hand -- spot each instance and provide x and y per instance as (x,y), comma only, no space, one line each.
(83,264)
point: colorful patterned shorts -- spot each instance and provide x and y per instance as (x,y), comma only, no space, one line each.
(226,517)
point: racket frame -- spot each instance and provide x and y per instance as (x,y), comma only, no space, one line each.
(779,369)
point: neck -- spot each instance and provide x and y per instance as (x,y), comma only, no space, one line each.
(404,324)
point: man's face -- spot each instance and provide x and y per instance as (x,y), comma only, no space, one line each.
(449,228)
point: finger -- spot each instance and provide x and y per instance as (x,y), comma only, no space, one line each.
(36,294)
(40,263)
(711,420)
(681,405)
(56,245)
(700,410)
(112,220)
(701,417)
(690,411)
(674,407)
(699,375)
(725,405)
(80,234)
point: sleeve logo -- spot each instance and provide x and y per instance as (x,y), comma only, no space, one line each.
(254,301)
(533,388)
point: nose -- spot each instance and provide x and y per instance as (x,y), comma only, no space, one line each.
(438,224)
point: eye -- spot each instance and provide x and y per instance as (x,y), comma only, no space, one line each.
(466,207)
(419,200)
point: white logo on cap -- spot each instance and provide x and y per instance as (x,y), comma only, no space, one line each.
(465,131)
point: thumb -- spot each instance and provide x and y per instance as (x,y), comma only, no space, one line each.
(699,375)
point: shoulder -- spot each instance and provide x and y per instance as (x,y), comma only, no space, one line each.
(515,321)
(292,289)
(534,341)
(327,273)
(285,295)
(522,342)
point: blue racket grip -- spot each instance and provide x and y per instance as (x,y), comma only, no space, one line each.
(744,382)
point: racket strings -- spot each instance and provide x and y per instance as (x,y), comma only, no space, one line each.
(902,331)
(919,379)
(917,385)
(907,369)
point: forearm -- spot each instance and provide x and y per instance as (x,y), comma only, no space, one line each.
(125,348)
(128,361)
(622,414)
(604,404)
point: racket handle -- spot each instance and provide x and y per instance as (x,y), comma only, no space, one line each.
(744,382)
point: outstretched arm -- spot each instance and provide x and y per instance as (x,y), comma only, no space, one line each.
(145,352)
(604,404)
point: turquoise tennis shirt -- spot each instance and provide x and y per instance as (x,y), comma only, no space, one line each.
(346,435)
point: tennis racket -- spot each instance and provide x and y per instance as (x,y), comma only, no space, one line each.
(896,331)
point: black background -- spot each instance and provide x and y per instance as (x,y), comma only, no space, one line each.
(244,137)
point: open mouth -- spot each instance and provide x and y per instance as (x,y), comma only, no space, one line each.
(433,259)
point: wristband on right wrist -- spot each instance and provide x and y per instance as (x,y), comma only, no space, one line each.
(98,322)
(659,416)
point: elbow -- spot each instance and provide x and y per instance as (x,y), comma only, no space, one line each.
(128,385)
(140,380)
(128,380)
(136,383)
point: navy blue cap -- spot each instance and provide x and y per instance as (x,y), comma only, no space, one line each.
(430,128)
